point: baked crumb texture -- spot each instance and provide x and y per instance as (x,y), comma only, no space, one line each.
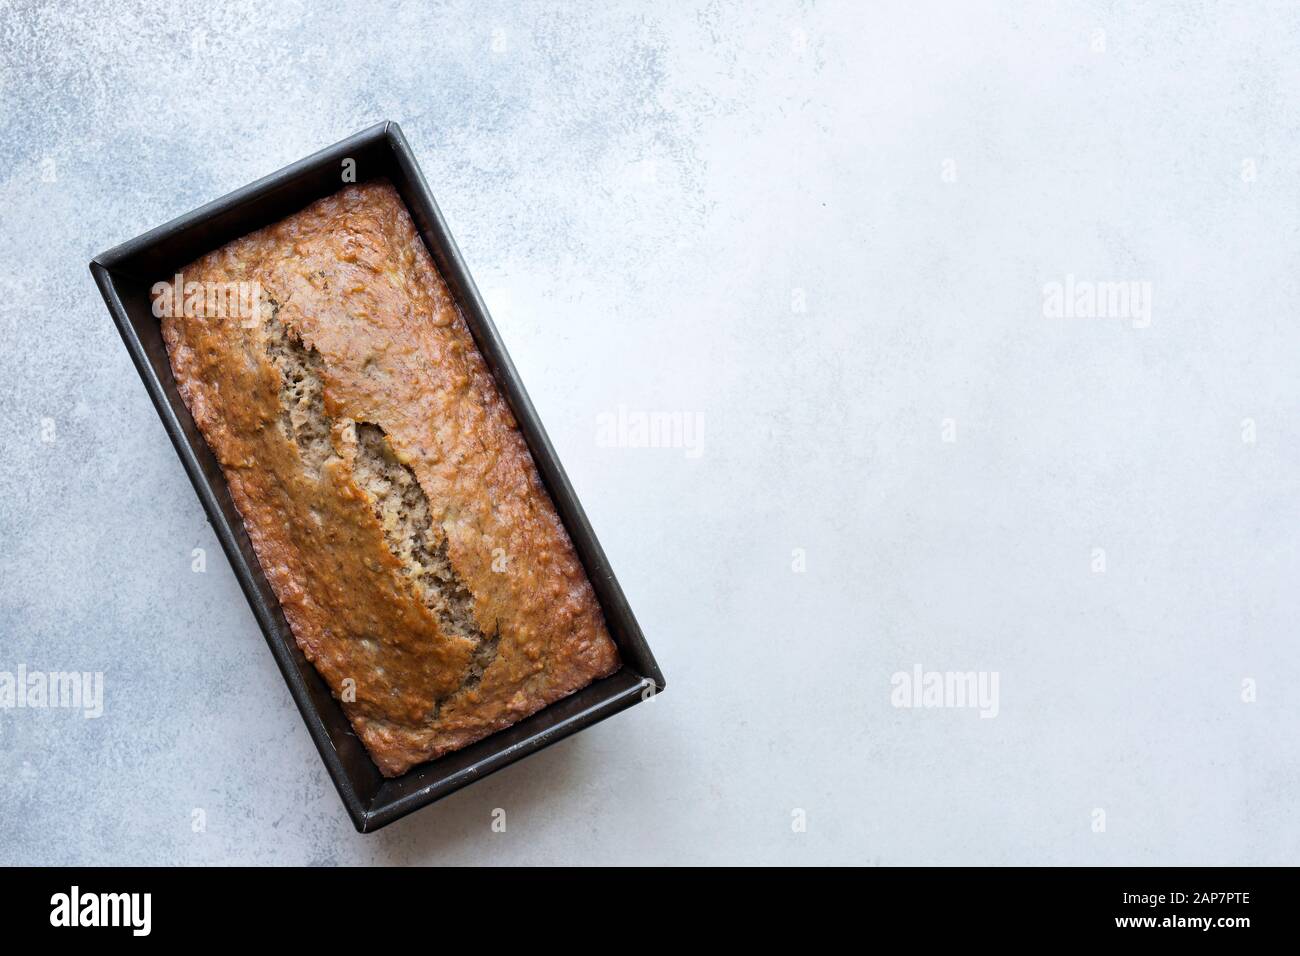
(390,498)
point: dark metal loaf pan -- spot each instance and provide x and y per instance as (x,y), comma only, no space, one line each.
(124,275)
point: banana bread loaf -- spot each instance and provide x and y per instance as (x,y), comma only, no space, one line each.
(383,482)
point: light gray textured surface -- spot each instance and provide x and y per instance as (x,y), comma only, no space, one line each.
(826,230)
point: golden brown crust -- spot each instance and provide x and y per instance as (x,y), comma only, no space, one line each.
(351,279)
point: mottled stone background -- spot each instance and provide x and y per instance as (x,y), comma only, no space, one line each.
(826,229)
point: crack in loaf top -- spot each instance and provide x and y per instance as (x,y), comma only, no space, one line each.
(391,500)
